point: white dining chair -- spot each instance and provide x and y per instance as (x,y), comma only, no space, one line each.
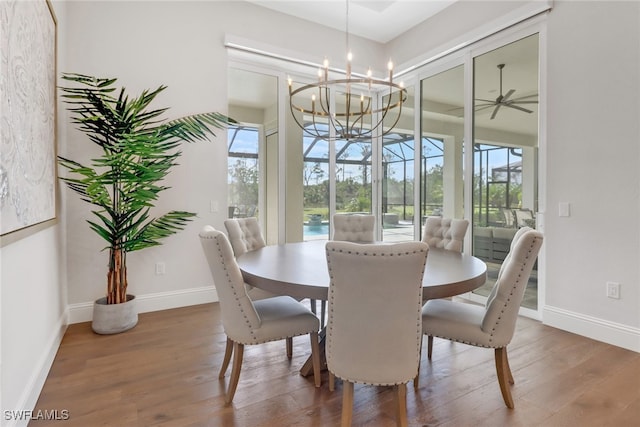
(358,228)
(248,322)
(493,324)
(353,228)
(245,235)
(445,233)
(374,329)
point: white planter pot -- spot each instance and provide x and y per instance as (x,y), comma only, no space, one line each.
(114,318)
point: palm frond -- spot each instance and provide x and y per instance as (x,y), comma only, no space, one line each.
(139,148)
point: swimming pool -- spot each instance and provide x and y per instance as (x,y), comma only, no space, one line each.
(316,230)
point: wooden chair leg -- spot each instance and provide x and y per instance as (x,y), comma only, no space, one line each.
(506,365)
(238,351)
(332,381)
(315,356)
(504,373)
(347,403)
(289,348)
(417,378)
(401,405)
(429,347)
(227,358)
(313,305)
(323,312)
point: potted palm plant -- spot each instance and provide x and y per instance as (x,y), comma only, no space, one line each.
(139,149)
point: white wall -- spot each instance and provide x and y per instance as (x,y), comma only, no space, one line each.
(591,161)
(32,303)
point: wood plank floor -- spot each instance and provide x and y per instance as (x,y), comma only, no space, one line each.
(164,373)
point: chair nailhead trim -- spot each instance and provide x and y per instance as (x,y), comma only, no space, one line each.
(493,330)
(236,296)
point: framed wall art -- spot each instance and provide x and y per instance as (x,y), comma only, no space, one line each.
(27,114)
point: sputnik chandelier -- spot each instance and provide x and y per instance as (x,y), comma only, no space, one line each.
(345,104)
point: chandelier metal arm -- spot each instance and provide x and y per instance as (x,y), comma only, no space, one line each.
(336,83)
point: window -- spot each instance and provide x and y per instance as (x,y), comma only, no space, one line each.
(243,171)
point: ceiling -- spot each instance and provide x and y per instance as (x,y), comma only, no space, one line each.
(377,20)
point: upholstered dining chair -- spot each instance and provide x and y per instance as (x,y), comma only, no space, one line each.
(353,228)
(358,228)
(245,235)
(374,331)
(248,322)
(445,233)
(492,325)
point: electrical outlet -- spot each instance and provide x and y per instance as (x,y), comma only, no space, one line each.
(160,268)
(613,290)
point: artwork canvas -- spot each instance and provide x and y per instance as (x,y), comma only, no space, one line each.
(27,114)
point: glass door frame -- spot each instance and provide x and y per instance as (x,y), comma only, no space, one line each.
(535,26)
(465,57)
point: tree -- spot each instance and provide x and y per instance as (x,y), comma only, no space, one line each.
(124,181)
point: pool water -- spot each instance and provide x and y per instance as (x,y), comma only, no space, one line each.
(316,230)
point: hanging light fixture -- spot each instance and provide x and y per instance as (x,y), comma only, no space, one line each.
(352,115)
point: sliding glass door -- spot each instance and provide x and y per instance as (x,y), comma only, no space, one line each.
(505,153)
(442,144)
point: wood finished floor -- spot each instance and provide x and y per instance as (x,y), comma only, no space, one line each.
(164,373)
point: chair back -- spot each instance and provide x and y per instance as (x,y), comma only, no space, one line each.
(353,227)
(503,303)
(445,233)
(245,235)
(239,316)
(375,301)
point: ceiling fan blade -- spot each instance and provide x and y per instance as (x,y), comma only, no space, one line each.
(483,107)
(491,101)
(493,115)
(506,97)
(517,108)
(525,97)
(522,102)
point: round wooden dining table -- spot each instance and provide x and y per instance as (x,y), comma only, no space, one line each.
(300,270)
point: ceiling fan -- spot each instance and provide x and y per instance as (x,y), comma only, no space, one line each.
(505,100)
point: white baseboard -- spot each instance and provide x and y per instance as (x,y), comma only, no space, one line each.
(598,329)
(83,312)
(40,373)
